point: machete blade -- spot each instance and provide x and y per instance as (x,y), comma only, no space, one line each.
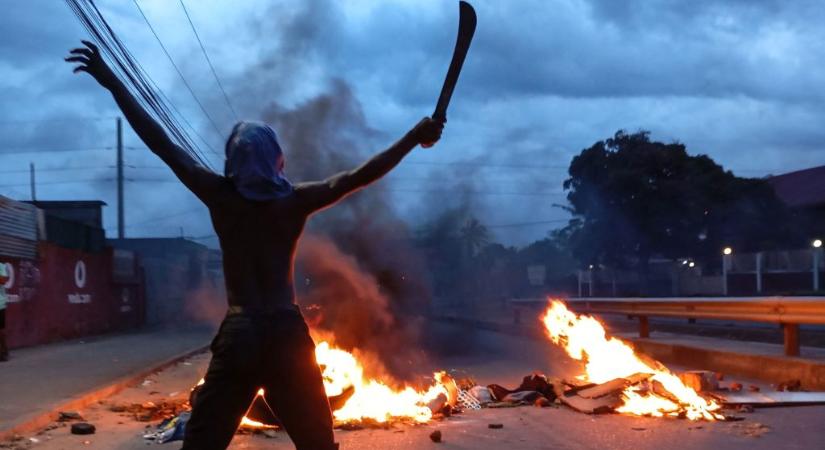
(466,29)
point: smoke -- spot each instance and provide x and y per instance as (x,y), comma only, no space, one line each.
(359,275)
(357,269)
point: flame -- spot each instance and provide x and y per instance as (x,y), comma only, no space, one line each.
(584,338)
(371,398)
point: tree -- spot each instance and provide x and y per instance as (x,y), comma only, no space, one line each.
(633,198)
(474,236)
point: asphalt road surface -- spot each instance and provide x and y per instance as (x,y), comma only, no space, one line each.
(490,357)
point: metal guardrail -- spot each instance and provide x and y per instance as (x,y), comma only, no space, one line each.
(790,312)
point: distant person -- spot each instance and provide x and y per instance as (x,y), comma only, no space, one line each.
(258,216)
(4,346)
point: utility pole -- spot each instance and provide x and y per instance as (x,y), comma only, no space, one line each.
(31,181)
(121,226)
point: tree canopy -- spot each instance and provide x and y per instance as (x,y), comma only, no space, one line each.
(633,198)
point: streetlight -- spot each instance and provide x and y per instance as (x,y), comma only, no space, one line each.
(691,264)
(726,252)
(817,252)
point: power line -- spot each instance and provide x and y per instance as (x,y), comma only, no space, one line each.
(56,120)
(139,83)
(209,61)
(483,165)
(166,216)
(57,169)
(186,83)
(60,182)
(13,151)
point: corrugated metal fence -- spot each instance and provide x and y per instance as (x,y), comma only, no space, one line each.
(19,225)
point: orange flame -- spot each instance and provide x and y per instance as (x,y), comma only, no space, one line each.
(372,399)
(584,338)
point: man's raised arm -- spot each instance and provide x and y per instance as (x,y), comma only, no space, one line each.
(320,194)
(197,178)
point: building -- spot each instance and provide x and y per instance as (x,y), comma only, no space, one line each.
(184,279)
(65,283)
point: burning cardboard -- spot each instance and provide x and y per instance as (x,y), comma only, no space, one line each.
(610,361)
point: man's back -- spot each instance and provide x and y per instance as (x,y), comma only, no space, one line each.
(258,240)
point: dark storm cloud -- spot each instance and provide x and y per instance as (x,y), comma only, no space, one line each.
(741,80)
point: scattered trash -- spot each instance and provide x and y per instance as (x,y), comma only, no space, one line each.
(435,436)
(467,400)
(790,386)
(151,411)
(638,429)
(482,394)
(437,403)
(753,388)
(170,429)
(700,380)
(495,426)
(66,416)
(735,387)
(83,428)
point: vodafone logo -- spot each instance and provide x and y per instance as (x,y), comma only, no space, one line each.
(80,274)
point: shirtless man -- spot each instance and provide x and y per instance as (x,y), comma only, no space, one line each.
(258,216)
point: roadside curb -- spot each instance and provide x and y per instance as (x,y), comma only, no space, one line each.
(770,368)
(40,420)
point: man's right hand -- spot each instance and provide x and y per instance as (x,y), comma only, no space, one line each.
(92,63)
(427,132)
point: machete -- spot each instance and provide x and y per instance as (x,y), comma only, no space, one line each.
(466,29)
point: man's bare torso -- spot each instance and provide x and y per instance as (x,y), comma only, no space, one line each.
(258,240)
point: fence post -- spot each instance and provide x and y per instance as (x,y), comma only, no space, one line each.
(791,331)
(644,327)
(759,272)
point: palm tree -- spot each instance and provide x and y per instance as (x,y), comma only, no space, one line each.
(474,236)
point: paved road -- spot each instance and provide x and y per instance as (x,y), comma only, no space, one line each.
(491,357)
(36,379)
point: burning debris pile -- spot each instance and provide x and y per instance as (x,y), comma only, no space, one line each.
(357,400)
(615,378)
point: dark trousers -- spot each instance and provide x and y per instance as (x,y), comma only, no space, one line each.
(269,351)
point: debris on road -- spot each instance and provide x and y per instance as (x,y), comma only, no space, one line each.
(151,411)
(495,426)
(170,429)
(83,428)
(435,436)
(67,416)
(700,380)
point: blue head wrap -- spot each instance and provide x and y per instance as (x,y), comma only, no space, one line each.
(255,162)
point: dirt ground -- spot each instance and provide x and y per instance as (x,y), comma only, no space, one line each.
(495,358)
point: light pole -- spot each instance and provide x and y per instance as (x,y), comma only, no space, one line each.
(817,252)
(726,255)
(591,280)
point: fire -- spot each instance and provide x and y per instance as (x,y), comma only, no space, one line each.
(371,398)
(607,358)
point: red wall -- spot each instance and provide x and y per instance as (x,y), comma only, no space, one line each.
(53,299)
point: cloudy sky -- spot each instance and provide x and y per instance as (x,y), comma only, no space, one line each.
(740,80)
